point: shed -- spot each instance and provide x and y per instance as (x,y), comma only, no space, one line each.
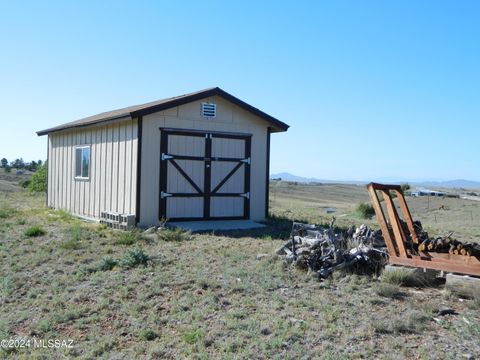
(198,156)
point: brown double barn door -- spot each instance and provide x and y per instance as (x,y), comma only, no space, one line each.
(204,175)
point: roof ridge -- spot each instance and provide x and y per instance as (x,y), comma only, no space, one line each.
(162,104)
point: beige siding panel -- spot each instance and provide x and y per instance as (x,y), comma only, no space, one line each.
(235,184)
(66,172)
(51,173)
(81,183)
(115,168)
(178,184)
(60,165)
(226,206)
(189,207)
(49,170)
(133,173)
(54,169)
(109,176)
(57,171)
(72,172)
(230,118)
(122,190)
(93,172)
(104,163)
(149,196)
(128,161)
(112,170)
(76,183)
(231,148)
(86,184)
(98,174)
(186,145)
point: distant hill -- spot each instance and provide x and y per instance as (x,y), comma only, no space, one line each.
(459,183)
(290,177)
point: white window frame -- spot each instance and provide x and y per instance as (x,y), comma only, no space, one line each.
(81,159)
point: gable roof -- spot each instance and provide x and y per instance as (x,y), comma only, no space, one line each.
(159,105)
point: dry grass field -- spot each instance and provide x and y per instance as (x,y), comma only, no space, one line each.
(120,295)
(439,216)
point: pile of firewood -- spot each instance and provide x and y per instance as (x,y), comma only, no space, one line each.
(322,251)
(445,244)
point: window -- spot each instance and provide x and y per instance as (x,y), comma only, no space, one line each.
(82,162)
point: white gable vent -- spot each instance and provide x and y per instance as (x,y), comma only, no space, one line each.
(209,110)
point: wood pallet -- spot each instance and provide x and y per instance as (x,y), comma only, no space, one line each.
(402,244)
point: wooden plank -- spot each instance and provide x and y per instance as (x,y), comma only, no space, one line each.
(407,216)
(382,220)
(395,223)
(436,264)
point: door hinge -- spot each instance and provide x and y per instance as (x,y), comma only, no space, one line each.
(246,161)
(166,157)
(164,195)
(246,195)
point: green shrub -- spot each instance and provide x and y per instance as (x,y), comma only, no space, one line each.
(175,234)
(405,277)
(25,183)
(6,213)
(128,238)
(64,216)
(44,326)
(388,290)
(148,335)
(107,263)
(34,231)
(39,180)
(412,323)
(74,234)
(365,211)
(396,276)
(193,336)
(405,187)
(134,258)
(70,244)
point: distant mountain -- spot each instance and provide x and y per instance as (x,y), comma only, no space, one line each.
(459,183)
(290,177)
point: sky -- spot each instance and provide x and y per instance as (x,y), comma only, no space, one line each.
(371,89)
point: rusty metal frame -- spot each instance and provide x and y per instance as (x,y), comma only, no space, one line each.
(402,246)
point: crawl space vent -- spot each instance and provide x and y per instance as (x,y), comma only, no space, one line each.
(209,110)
